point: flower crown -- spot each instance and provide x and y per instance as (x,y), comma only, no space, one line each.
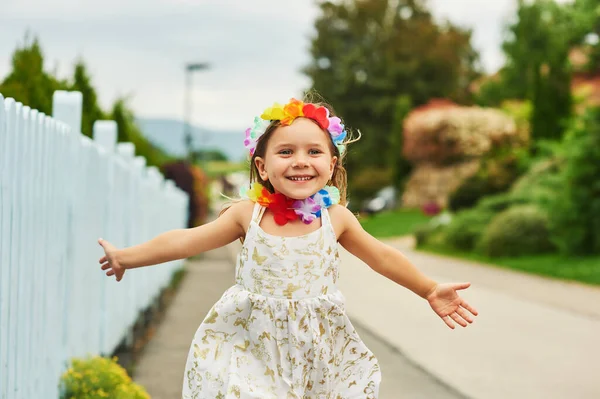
(286,115)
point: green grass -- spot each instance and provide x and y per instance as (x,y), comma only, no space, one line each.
(581,269)
(403,222)
(394,223)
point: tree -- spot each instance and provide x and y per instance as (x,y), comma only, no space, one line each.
(129,131)
(34,87)
(537,53)
(587,13)
(28,83)
(367,53)
(575,209)
(537,48)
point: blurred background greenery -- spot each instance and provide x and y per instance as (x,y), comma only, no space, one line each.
(503,167)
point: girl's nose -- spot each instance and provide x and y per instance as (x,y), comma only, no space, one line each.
(300,162)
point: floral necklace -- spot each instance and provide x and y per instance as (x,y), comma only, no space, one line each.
(286,209)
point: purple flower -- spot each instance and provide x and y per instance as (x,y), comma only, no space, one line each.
(335,126)
(306,209)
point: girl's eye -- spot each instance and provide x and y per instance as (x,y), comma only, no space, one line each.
(285,152)
(314,152)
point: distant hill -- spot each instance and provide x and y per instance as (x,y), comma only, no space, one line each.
(168,135)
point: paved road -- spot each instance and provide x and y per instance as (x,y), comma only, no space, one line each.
(161,366)
(534,338)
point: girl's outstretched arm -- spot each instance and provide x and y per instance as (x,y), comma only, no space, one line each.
(391,263)
(177,244)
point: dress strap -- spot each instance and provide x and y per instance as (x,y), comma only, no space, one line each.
(258,212)
(326,221)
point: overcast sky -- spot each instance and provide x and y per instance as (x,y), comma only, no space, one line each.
(256,48)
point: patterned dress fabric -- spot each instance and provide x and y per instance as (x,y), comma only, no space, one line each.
(281,332)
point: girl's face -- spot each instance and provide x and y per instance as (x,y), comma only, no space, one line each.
(298,160)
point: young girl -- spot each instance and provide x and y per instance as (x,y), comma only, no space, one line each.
(281,331)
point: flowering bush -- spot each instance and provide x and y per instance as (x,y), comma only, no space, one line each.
(431,208)
(99,377)
(453,134)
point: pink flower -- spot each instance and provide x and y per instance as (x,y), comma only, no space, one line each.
(249,142)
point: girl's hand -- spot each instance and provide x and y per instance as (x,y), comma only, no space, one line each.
(449,306)
(110,261)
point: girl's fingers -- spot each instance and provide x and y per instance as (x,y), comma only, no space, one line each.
(102,260)
(458,319)
(471,309)
(111,272)
(448,322)
(463,313)
(461,286)
(105,266)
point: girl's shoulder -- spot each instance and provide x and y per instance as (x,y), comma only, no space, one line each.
(341,217)
(340,211)
(241,212)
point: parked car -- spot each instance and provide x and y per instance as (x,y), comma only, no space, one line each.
(384,199)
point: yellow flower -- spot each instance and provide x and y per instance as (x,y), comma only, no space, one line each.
(274,113)
(254,192)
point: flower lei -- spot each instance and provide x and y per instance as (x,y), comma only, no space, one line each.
(286,115)
(286,209)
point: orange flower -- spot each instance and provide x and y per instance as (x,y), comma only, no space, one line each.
(292,110)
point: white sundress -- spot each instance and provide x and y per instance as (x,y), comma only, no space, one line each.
(281,332)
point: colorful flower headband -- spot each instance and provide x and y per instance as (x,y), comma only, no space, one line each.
(286,115)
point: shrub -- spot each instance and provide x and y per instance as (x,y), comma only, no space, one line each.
(430,234)
(469,192)
(575,208)
(97,378)
(423,233)
(498,172)
(541,183)
(500,202)
(467,227)
(520,230)
(431,209)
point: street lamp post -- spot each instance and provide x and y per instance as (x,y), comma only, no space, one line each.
(187,128)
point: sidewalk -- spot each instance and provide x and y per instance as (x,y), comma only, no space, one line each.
(162,363)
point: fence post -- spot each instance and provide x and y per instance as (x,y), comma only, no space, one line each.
(67,108)
(105,134)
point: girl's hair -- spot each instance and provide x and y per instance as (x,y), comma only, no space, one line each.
(338,179)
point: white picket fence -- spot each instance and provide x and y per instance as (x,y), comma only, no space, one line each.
(59,192)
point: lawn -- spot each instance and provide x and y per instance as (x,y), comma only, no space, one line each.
(403,222)
(393,223)
(582,269)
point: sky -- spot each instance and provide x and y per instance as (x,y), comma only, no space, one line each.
(255,49)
